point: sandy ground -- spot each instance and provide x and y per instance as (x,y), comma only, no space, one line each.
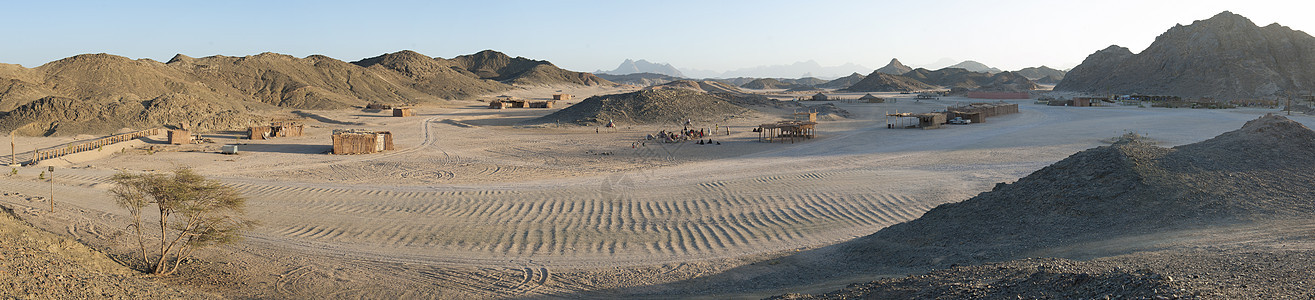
(474,205)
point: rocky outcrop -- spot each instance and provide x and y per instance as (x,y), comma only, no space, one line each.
(646,107)
(882,82)
(974,66)
(1224,57)
(768,84)
(1036,73)
(895,68)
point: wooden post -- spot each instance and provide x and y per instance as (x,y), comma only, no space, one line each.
(52,187)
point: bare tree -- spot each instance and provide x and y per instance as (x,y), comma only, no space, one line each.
(194,212)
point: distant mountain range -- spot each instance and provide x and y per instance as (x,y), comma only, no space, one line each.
(795,70)
(643,66)
(101,93)
(1226,57)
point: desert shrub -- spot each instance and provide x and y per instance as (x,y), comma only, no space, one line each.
(194,213)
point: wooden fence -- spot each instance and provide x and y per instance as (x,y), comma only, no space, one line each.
(83,146)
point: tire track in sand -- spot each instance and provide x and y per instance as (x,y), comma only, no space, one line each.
(632,223)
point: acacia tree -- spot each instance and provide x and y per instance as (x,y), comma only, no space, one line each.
(194,212)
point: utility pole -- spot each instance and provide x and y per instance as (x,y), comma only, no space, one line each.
(52,187)
(13,150)
(1289,107)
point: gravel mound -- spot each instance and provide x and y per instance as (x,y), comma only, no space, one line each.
(35,264)
(1049,278)
(1255,173)
(646,107)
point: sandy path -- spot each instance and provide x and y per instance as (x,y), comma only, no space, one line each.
(553,217)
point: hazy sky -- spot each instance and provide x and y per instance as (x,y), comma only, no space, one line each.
(591,35)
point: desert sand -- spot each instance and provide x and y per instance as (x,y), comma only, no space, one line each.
(472,204)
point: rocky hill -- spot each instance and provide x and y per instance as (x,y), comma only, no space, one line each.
(768,84)
(1246,175)
(953,78)
(643,66)
(639,79)
(882,82)
(974,66)
(655,106)
(1226,57)
(493,65)
(1051,79)
(1102,196)
(101,93)
(895,68)
(702,86)
(1035,73)
(843,82)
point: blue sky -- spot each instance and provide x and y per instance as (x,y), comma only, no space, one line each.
(591,35)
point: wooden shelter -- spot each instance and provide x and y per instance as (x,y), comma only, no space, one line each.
(932,120)
(772,132)
(1078,102)
(403,112)
(360,141)
(806,116)
(497,104)
(998,95)
(561,96)
(275,129)
(869,98)
(820,97)
(978,112)
(258,132)
(541,104)
(180,137)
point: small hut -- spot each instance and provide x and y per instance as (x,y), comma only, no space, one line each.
(541,104)
(359,141)
(275,129)
(180,137)
(930,120)
(497,104)
(402,112)
(869,98)
(562,97)
(286,129)
(805,116)
(259,132)
(820,97)
(378,106)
